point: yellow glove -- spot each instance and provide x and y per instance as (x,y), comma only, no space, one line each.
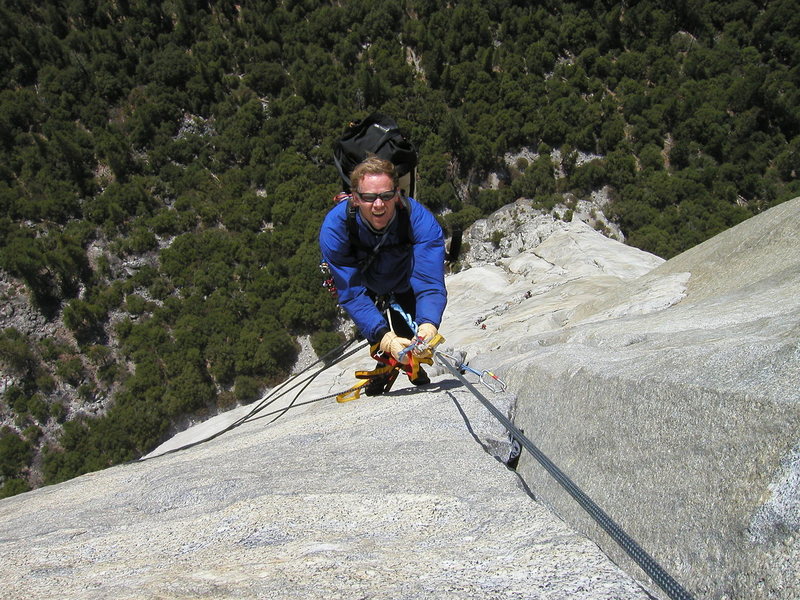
(394,345)
(426,331)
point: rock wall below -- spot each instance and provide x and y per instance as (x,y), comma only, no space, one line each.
(682,423)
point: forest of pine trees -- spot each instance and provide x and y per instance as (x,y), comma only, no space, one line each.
(193,139)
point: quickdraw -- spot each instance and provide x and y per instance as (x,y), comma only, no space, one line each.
(328,282)
(487,378)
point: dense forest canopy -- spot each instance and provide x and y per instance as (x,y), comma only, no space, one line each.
(193,140)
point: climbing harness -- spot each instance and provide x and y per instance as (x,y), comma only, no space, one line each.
(672,588)
(419,353)
(387,372)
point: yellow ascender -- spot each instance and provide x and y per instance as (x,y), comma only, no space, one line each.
(392,366)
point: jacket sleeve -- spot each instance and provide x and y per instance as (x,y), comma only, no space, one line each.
(427,271)
(335,246)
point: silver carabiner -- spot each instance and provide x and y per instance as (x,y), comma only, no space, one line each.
(498,386)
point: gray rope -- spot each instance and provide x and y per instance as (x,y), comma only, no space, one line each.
(672,588)
(271,397)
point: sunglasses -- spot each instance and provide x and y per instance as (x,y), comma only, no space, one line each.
(385,196)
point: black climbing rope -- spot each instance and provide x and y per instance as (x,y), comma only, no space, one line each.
(666,582)
(276,393)
(672,588)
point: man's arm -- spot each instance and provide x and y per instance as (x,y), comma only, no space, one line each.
(336,251)
(427,276)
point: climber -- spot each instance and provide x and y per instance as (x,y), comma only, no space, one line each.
(390,279)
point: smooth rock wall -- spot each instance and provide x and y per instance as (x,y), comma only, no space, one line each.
(683,424)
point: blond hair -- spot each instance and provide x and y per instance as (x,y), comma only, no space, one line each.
(373,165)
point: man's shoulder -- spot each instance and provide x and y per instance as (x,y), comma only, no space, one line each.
(421,215)
(336,215)
(333,231)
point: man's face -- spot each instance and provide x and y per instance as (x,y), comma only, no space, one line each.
(379,212)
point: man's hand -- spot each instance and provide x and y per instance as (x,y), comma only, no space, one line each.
(427,331)
(394,345)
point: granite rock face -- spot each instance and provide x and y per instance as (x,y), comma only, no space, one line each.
(668,391)
(386,497)
(673,400)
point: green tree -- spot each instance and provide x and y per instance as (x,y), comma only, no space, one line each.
(84,319)
(15,453)
(16,354)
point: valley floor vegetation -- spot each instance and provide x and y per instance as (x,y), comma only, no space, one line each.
(165,167)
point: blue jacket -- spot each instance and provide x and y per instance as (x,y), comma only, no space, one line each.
(396,268)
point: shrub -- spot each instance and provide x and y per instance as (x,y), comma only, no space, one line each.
(58,411)
(45,383)
(324,342)
(497,237)
(226,401)
(51,349)
(246,389)
(32,433)
(70,370)
(15,352)
(39,408)
(15,453)
(135,304)
(14,486)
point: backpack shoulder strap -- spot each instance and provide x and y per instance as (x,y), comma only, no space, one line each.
(352,224)
(404,224)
